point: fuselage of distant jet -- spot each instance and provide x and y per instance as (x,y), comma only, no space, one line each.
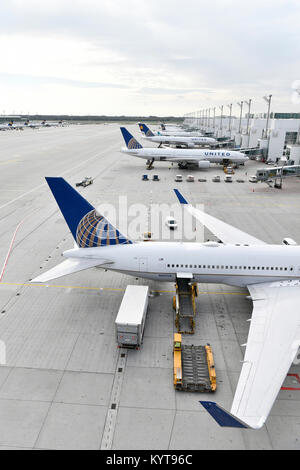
(179,133)
(202,157)
(189,141)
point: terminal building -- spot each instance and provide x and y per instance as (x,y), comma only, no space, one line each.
(280,142)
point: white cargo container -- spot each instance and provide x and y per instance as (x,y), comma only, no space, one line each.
(131,317)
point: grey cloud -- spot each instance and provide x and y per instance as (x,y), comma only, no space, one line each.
(41,80)
(232,46)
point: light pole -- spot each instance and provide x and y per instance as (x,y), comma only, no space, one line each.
(268,100)
(209,118)
(229,127)
(214,121)
(221,108)
(248,119)
(298,135)
(267,136)
(241,115)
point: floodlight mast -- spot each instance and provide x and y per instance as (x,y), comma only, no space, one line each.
(221,129)
(241,115)
(267,136)
(298,135)
(268,100)
(230,115)
(248,119)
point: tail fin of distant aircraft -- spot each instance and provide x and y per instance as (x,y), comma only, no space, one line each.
(89,229)
(163,127)
(145,130)
(130,141)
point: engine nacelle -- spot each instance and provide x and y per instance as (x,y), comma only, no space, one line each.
(204,164)
(191,145)
(289,241)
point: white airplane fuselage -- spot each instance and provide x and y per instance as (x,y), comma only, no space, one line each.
(211,262)
(179,133)
(188,155)
(162,139)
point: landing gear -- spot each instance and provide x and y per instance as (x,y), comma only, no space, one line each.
(149,164)
(182,165)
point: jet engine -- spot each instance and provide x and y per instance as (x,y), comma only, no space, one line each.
(191,145)
(203,164)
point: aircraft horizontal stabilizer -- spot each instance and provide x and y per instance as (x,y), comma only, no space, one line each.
(223,417)
(69,266)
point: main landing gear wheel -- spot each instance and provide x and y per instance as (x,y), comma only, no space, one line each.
(182,165)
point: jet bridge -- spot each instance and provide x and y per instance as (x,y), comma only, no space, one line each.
(277,173)
(264,174)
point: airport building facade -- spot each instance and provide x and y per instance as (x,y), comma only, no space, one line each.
(281,141)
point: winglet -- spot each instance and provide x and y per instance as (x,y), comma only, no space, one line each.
(223,417)
(180,197)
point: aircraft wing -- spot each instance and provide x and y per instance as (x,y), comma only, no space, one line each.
(225,232)
(272,344)
(71,265)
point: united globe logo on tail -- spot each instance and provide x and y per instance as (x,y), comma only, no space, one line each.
(94,230)
(133,144)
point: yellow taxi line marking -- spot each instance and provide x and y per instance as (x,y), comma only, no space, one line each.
(117,289)
(8,161)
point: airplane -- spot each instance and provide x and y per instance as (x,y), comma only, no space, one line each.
(269,272)
(180,131)
(32,125)
(189,141)
(45,123)
(184,157)
(11,126)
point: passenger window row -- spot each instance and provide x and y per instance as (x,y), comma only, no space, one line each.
(257,268)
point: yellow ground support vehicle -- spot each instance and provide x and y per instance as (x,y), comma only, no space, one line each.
(194,368)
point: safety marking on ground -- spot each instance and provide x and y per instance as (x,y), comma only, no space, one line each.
(111,418)
(8,161)
(292,388)
(117,289)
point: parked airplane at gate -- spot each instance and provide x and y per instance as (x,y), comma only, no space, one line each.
(179,131)
(184,157)
(270,272)
(189,141)
(11,126)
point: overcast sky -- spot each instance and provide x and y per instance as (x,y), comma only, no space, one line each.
(138,57)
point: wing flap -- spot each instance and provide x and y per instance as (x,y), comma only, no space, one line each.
(71,265)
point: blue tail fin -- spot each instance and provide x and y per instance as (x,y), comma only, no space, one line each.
(130,141)
(88,228)
(145,130)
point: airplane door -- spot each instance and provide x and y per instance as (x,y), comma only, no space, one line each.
(143,264)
